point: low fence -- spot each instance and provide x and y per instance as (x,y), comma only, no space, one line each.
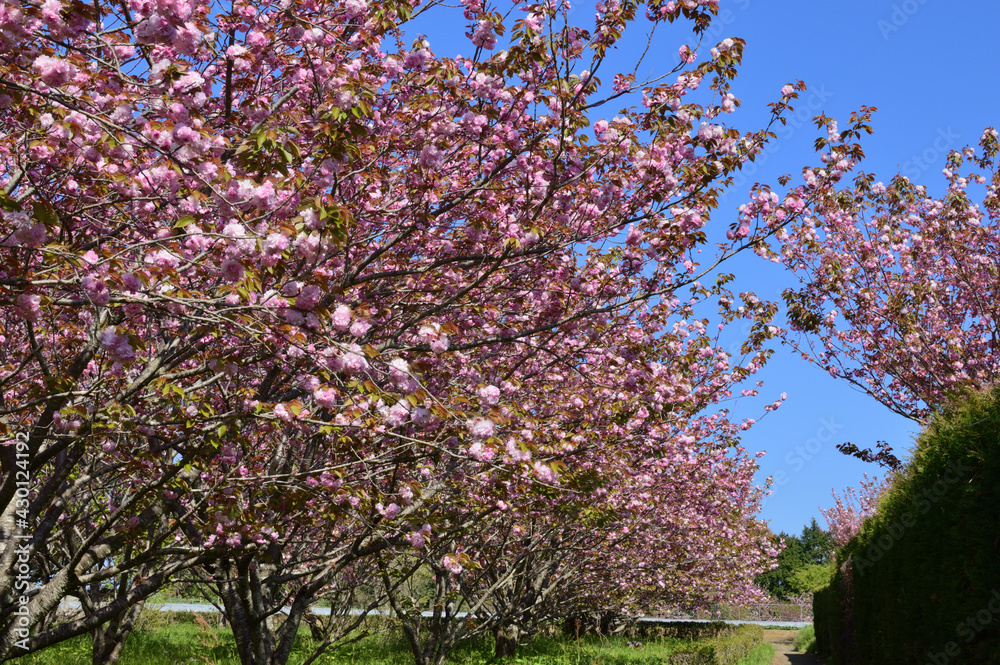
(791,612)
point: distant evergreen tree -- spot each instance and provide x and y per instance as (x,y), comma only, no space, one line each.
(813,547)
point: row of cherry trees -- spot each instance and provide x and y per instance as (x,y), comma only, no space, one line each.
(296,309)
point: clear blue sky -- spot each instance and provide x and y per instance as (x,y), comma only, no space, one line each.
(930,67)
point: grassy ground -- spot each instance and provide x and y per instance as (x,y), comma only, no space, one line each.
(762,655)
(805,640)
(185,643)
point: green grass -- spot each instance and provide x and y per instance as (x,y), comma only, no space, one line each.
(762,655)
(187,644)
(805,640)
(591,650)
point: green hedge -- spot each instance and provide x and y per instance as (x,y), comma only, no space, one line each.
(727,649)
(682,630)
(921,582)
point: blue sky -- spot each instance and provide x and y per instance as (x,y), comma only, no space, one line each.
(930,68)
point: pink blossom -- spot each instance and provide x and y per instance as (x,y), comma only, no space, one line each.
(787,90)
(232,270)
(96,290)
(389,511)
(263,196)
(484,35)
(309,297)
(28,307)
(354,8)
(341,318)
(325,397)
(354,360)
(162,259)
(189,81)
(307,246)
(32,236)
(431,157)
(415,59)
(516,453)
(54,71)
(480,452)
(544,473)
(489,395)
(416,539)
(452,564)
(398,414)
(274,244)
(257,39)
(360,327)
(481,428)
(439,344)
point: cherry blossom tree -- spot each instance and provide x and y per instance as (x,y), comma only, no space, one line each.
(283,293)
(853,507)
(898,290)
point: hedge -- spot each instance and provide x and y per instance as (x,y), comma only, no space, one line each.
(727,649)
(921,581)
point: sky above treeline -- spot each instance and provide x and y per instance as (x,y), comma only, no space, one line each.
(930,68)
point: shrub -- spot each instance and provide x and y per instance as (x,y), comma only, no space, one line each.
(920,577)
(727,649)
(762,655)
(805,640)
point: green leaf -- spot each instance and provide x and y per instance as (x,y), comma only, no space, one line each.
(9,204)
(45,213)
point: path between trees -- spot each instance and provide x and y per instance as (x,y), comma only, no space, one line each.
(785,653)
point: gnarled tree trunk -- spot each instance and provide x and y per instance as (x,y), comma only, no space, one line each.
(507,638)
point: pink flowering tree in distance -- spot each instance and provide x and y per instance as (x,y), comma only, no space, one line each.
(852,508)
(284,295)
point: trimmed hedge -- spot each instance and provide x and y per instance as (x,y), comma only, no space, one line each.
(682,630)
(921,581)
(727,649)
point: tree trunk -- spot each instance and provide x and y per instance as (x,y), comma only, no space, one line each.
(109,640)
(606,623)
(315,626)
(507,639)
(573,626)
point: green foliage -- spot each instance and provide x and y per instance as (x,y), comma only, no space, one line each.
(828,618)
(602,651)
(727,649)
(184,642)
(812,577)
(805,640)
(686,630)
(762,655)
(178,643)
(922,576)
(812,548)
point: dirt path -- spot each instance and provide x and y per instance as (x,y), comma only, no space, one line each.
(785,653)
